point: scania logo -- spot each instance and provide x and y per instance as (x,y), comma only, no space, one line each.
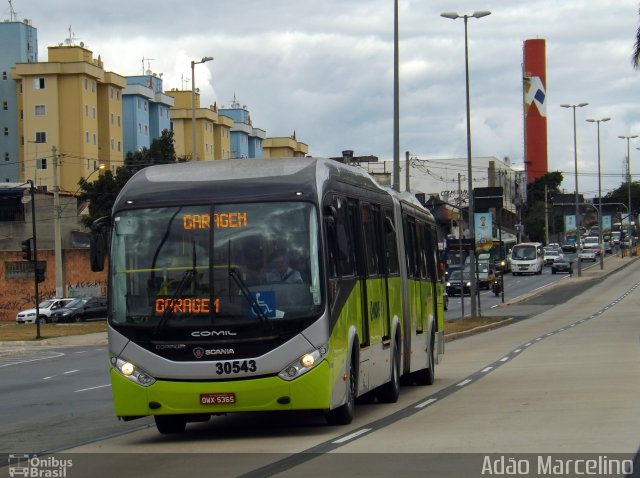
(212,333)
(199,352)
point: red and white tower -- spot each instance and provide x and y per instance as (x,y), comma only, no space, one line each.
(535,92)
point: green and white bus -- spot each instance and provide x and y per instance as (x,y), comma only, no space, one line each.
(201,324)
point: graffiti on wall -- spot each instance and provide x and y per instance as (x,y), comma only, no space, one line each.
(20,297)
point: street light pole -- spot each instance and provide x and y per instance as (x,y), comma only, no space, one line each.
(575,157)
(630,213)
(193,104)
(600,240)
(396,102)
(472,264)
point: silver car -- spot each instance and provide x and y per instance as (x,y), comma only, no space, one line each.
(587,254)
(45,308)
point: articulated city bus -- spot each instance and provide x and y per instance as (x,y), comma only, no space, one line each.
(260,285)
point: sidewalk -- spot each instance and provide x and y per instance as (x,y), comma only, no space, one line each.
(98,338)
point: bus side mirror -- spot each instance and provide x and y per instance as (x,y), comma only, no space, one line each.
(97,252)
(97,243)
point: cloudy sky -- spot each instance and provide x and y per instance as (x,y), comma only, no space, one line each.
(325,69)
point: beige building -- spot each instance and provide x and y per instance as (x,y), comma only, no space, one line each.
(212,130)
(70,109)
(281,147)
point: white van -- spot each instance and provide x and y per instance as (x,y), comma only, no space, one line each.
(46,308)
(527,258)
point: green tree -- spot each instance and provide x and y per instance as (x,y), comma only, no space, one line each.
(102,193)
(534,215)
(621,195)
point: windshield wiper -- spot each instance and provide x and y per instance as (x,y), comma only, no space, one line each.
(250,299)
(187,277)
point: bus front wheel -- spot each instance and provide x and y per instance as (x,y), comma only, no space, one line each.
(170,423)
(343,415)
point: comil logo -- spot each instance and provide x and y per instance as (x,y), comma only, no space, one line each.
(212,333)
(33,466)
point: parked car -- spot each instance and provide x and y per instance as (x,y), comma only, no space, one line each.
(587,254)
(562,264)
(45,308)
(459,283)
(80,310)
(551,255)
(568,247)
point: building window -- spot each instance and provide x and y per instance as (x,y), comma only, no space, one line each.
(86,110)
(86,84)
(41,110)
(87,165)
(112,144)
(118,145)
(139,127)
(145,106)
(38,83)
(95,165)
(86,138)
(4,75)
(41,163)
(118,95)
(93,86)
(5,105)
(6,131)
(110,92)
(118,120)
(146,130)
(6,156)
(94,138)
(93,112)
(111,118)
(41,136)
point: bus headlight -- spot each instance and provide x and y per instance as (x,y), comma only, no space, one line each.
(304,363)
(131,372)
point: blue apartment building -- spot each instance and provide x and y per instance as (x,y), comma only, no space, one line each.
(18,44)
(246,141)
(145,111)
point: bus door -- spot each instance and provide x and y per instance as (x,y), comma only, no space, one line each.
(377,306)
(413,275)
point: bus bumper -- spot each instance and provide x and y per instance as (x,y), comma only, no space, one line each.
(308,392)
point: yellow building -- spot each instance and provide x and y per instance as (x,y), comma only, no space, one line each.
(212,130)
(71,107)
(281,147)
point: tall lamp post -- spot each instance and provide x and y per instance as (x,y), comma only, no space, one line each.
(204,59)
(598,121)
(575,157)
(630,214)
(454,16)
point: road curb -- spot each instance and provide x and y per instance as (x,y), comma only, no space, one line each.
(476,330)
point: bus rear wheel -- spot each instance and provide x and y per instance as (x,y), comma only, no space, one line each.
(170,423)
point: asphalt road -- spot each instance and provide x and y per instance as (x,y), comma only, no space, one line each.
(54,398)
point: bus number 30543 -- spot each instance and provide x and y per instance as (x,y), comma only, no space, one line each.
(236,366)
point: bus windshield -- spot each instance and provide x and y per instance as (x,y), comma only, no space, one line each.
(524,253)
(212,265)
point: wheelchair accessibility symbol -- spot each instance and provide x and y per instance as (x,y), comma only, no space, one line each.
(266,300)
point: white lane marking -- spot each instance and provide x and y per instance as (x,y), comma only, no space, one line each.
(517,351)
(91,388)
(352,436)
(47,378)
(464,382)
(6,361)
(425,403)
(504,359)
(70,371)
(485,370)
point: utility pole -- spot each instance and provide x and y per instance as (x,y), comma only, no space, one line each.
(407,165)
(546,217)
(460,242)
(57,239)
